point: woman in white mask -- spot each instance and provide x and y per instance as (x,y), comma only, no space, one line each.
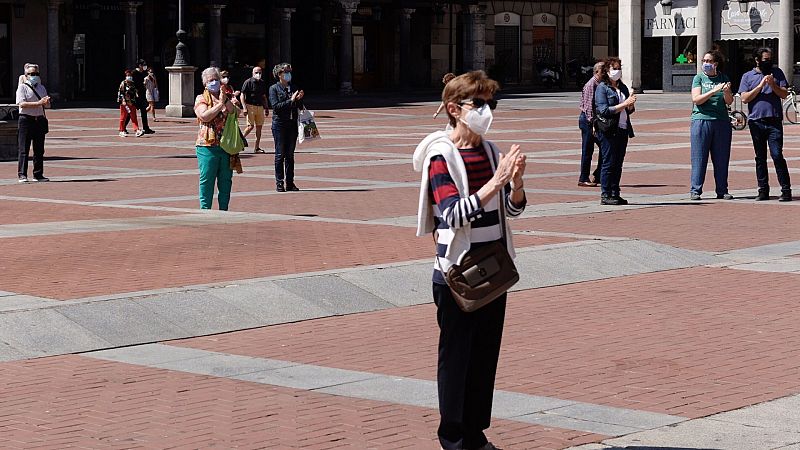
(212,108)
(711,131)
(612,123)
(464,179)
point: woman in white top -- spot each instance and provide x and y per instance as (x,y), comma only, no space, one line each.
(151,92)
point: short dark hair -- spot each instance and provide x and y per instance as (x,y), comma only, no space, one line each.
(141,62)
(759,52)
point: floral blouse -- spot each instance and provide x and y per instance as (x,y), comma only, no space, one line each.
(210,133)
(126,93)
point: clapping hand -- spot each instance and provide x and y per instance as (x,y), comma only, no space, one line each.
(507,167)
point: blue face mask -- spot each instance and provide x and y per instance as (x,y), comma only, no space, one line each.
(287,76)
(708,68)
(213,86)
(34,80)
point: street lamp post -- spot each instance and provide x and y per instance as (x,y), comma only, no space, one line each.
(744,6)
(181,76)
(666,7)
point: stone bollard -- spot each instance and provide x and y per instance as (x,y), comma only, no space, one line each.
(8,132)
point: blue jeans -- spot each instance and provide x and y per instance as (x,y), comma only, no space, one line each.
(714,137)
(587,149)
(285,136)
(215,166)
(612,150)
(766,132)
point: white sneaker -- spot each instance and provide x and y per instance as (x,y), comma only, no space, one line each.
(123,134)
(140,133)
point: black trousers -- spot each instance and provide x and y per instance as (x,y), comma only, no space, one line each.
(469,346)
(30,131)
(141,105)
(285,137)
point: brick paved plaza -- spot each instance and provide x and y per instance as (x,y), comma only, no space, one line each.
(131,319)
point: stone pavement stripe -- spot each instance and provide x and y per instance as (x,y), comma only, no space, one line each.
(137,318)
(371,386)
(772,425)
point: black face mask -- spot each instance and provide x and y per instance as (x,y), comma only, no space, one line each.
(765,67)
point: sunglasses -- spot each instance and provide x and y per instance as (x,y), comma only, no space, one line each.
(479,102)
(32,74)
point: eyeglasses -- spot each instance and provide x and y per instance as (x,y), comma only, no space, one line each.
(32,74)
(256,72)
(478,102)
(708,61)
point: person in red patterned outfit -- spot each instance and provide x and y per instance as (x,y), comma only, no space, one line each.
(464,179)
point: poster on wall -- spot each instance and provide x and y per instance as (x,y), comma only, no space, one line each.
(756,20)
(667,18)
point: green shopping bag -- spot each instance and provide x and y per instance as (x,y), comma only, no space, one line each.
(231,140)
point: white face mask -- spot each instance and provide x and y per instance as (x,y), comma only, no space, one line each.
(478,120)
(615,74)
(257,76)
(225,80)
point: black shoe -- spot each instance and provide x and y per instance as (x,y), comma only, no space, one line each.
(725,196)
(762,195)
(41,179)
(292,187)
(621,200)
(610,201)
(279,187)
(786,196)
(149,131)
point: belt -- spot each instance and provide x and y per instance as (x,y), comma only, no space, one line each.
(31,117)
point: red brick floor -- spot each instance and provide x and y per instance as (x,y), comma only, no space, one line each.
(77,402)
(684,342)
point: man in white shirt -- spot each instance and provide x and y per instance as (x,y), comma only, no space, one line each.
(32,100)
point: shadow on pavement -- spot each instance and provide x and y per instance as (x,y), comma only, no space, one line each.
(92,180)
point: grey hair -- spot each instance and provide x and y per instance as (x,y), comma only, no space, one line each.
(279,68)
(31,65)
(207,73)
(599,66)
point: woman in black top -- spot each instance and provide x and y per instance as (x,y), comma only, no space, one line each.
(285,102)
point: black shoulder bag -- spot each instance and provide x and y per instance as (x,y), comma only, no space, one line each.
(45,125)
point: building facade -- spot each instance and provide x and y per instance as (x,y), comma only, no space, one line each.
(84,46)
(680,31)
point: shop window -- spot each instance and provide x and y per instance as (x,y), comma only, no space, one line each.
(684,50)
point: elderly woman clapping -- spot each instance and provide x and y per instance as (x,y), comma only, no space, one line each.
(212,108)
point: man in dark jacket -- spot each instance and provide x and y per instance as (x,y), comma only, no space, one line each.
(141,99)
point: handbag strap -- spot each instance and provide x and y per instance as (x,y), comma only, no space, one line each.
(501,207)
(37,96)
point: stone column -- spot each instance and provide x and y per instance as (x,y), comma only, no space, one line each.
(215,33)
(704,25)
(286,34)
(349,7)
(467,52)
(131,41)
(786,38)
(53,49)
(405,46)
(630,42)
(478,13)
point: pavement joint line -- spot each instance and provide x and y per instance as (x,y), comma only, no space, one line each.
(587,417)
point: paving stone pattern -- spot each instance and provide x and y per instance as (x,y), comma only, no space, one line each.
(665,311)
